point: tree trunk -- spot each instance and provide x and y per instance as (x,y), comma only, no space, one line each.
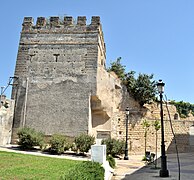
(156,148)
(145,142)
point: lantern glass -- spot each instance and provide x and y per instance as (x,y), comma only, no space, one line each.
(127,111)
(160,86)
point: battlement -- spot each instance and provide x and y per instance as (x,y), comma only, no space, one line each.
(56,23)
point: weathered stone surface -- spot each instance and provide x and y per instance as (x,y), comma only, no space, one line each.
(6,120)
(57,70)
(151,113)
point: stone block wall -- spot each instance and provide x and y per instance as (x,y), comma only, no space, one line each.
(151,114)
(57,68)
(6,120)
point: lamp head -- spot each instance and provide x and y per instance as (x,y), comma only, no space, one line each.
(127,111)
(160,86)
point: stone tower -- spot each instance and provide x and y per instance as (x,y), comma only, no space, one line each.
(57,68)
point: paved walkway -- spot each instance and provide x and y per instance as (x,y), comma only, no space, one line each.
(134,169)
(13,148)
(124,167)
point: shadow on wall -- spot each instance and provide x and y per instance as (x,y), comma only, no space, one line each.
(127,100)
(183,142)
(136,112)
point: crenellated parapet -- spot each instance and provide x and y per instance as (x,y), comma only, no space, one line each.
(56,24)
(66,25)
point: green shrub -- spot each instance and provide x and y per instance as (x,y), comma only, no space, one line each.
(57,143)
(183,108)
(73,147)
(83,142)
(144,158)
(142,87)
(111,161)
(87,170)
(28,138)
(114,147)
(67,146)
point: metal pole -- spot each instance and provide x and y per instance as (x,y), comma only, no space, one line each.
(25,103)
(2,90)
(126,141)
(163,172)
(1,95)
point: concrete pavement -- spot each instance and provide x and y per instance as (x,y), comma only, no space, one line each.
(134,169)
(14,148)
(124,167)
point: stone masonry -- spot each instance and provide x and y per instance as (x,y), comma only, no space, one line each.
(6,120)
(151,113)
(63,86)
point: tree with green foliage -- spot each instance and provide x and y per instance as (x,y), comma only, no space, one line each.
(156,125)
(117,68)
(183,108)
(146,126)
(142,88)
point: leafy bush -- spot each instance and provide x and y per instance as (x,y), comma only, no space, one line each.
(117,68)
(67,146)
(183,108)
(111,161)
(144,158)
(73,147)
(57,143)
(141,87)
(87,170)
(28,138)
(83,142)
(146,126)
(114,147)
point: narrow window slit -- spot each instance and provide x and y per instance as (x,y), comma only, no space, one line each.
(56,57)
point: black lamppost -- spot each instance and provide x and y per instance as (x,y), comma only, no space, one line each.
(163,172)
(126,141)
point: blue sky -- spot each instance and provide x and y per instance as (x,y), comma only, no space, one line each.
(151,36)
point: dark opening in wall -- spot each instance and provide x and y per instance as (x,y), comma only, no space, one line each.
(31,56)
(102,62)
(176,116)
(56,57)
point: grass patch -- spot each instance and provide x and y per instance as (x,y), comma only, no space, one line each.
(17,166)
(85,171)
